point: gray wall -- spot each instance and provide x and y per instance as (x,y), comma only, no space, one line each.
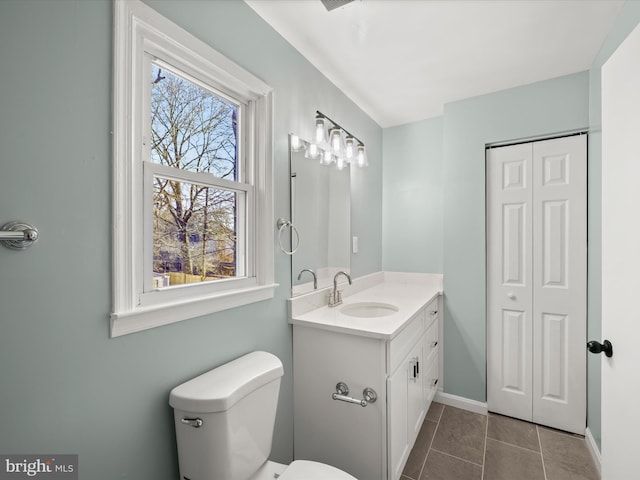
(66,387)
(412,197)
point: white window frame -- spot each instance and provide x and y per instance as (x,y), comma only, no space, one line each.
(142,35)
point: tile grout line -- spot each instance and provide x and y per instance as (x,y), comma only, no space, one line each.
(517,446)
(544,469)
(457,458)
(484,454)
(424,462)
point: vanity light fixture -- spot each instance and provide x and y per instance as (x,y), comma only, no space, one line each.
(332,144)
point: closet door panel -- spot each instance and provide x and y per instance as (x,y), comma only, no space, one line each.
(509,340)
(559,283)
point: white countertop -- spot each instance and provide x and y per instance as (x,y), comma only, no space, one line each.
(408,292)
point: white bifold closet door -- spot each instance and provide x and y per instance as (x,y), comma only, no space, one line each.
(537,281)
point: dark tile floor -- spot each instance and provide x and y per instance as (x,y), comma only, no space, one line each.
(455,444)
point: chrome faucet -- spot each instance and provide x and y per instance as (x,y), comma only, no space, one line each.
(315,278)
(335,298)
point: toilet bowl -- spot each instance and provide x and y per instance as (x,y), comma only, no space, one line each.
(300,470)
(307,470)
(224,423)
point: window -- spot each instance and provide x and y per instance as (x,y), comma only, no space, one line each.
(192,176)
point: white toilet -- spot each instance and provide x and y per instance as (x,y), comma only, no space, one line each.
(224,424)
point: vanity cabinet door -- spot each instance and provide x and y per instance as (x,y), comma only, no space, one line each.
(397,421)
(415,392)
(406,408)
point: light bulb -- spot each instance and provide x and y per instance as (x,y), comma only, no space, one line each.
(362,159)
(335,140)
(312,151)
(349,148)
(326,157)
(296,143)
(340,163)
(321,132)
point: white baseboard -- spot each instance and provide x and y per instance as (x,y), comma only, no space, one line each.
(593,449)
(461,402)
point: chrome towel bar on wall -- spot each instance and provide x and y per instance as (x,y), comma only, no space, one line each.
(18,235)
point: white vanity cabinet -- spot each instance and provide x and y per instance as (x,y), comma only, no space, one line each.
(411,384)
(372,442)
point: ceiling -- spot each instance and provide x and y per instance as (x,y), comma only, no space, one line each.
(401,60)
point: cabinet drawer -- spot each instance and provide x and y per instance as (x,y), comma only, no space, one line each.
(431,340)
(431,312)
(431,380)
(400,346)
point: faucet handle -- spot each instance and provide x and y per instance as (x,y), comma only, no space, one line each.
(335,298)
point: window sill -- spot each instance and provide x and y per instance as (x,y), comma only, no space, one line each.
(144,318)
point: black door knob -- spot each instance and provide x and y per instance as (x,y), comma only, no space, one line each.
(597,347)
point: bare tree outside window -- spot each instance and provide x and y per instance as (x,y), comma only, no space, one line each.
(194,226)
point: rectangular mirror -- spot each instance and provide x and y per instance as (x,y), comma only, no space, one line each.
(321,214)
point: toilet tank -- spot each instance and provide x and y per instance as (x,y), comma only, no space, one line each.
(224,418)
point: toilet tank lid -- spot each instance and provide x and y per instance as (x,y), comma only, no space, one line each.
(219,389)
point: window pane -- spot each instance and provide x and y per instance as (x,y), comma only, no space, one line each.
(194,233)
(192,128)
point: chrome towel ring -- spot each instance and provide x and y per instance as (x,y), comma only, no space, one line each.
(282,224)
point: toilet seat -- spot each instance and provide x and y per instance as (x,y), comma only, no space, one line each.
(308,470)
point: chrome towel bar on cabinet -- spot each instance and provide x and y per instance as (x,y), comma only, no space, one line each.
(342,390)
(18,235)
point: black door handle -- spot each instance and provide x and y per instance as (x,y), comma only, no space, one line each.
(597,347)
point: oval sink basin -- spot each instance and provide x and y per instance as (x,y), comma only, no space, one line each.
(369,309)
